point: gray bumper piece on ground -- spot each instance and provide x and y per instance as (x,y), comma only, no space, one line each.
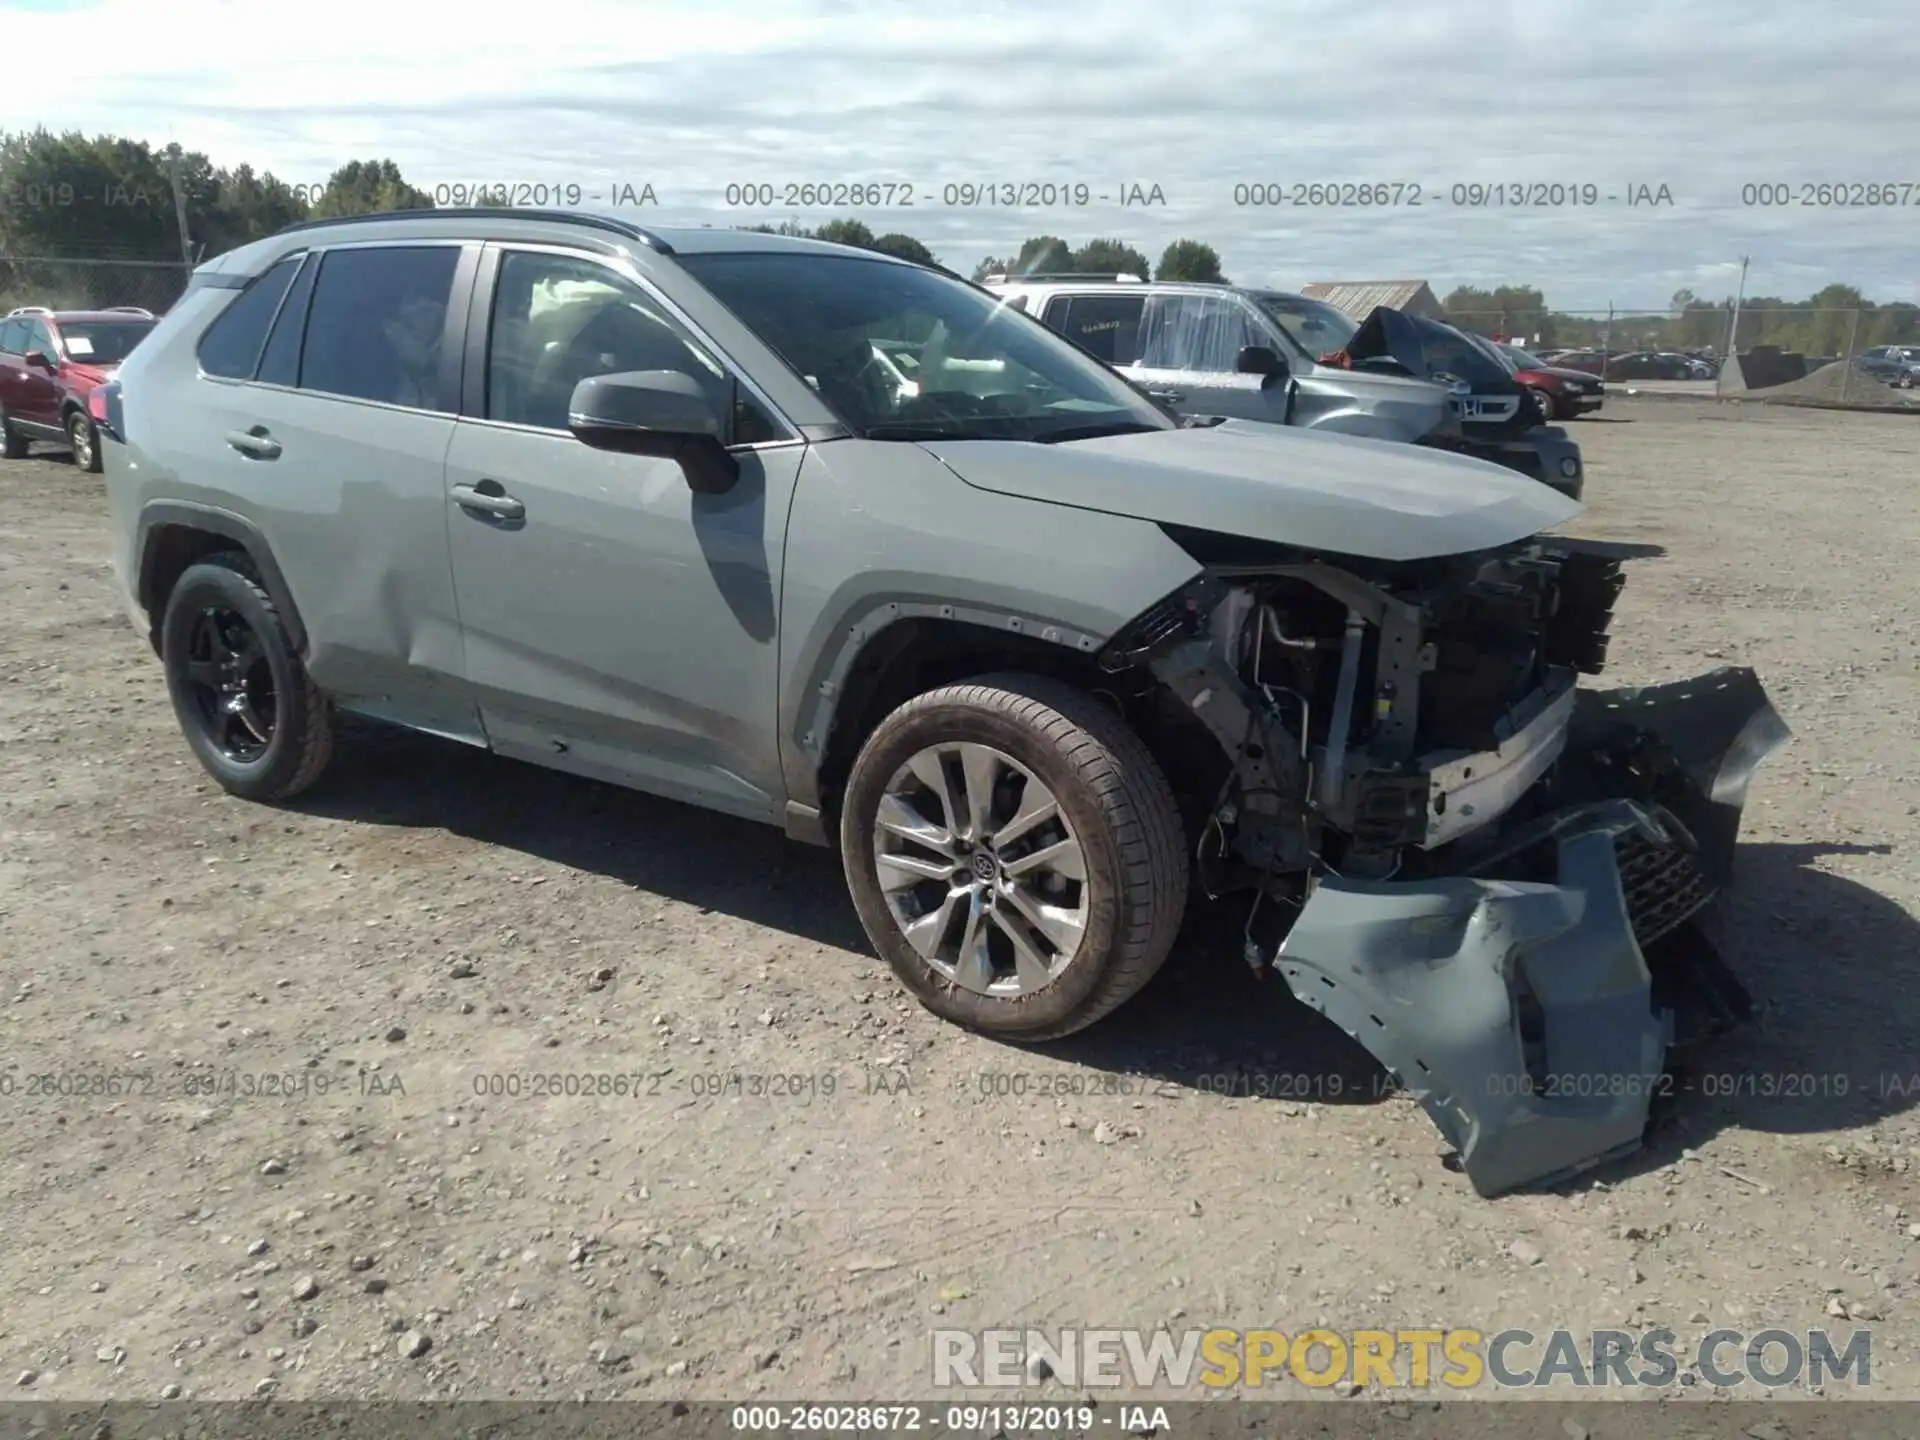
(1425,975)
(1521,1014)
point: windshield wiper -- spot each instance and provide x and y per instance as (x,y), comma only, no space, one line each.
(1095,432)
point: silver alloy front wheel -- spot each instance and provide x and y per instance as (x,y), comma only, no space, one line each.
(981,869)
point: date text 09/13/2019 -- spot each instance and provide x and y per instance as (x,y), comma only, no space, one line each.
(951,195)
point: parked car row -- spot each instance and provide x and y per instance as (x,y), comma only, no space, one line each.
(1636,364)
(1898,365)
(1254,354)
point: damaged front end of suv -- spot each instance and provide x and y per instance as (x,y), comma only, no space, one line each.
(1490,877)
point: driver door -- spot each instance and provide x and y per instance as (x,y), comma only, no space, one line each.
(616,624)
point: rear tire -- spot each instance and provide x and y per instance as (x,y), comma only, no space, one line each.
(84,440)
(971,891)
(254,718)
(13,445)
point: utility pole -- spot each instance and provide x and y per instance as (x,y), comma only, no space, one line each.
(1846,375)
(179,202)
(1733,331)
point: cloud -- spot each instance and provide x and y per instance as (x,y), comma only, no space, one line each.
(1704,99)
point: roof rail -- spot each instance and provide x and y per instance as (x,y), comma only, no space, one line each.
(28,310)
(139,310)
(1078,276)
(497,212)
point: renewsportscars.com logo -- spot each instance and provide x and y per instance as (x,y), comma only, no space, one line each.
(1459,1359)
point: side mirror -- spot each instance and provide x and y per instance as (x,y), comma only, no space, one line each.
(39,359)
(1259,360)
(656,412)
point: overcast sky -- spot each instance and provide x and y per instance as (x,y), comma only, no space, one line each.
(1700,96)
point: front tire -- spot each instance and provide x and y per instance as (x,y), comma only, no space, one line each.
(1015,854)
(254,718)
(84,440)
(1544,402)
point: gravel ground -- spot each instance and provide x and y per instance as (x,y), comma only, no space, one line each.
(300,1187)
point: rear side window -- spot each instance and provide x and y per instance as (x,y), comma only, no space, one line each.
(231,347)
(377,324)
(280,364)
(1106,325)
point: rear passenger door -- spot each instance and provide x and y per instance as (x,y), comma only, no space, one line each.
(328,391)
(13,343)
(37,396)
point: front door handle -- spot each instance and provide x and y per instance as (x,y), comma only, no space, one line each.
(489,498)
(255,444)
(1172,397)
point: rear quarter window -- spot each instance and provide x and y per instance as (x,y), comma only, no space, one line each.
(231,346)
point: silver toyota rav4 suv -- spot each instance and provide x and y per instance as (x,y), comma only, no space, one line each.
(847,545)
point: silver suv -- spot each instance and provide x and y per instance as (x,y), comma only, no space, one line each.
(1252,354)
(844,544)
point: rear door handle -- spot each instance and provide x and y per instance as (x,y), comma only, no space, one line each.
(255,443)
(489,498)
(1172,397)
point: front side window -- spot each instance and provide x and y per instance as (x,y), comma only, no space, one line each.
(900,352)
(1197,332)
(102,342)
(13,337)
(1315,326)
(561,319)
(377,322)
(41,339)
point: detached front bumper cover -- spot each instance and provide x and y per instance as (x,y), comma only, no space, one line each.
(1520,1013)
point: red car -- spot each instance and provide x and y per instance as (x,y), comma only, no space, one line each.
(50,362)
(1559,391)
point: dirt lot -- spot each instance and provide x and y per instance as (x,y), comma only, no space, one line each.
(433,923)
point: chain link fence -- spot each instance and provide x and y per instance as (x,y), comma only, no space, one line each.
(1867,356)
(65,283)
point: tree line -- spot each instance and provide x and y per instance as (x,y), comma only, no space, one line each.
(72,197)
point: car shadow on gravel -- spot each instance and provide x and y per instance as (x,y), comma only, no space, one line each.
(1830,964)
(387,776)
(1829,960)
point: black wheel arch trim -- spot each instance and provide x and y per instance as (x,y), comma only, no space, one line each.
(162,514)
(813,705)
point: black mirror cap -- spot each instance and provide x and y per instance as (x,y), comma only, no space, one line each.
(663,413)
(1259,360)
(660,402)
(39,358)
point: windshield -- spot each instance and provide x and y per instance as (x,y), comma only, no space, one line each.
(1315,326)
(102,342)
(905,353)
